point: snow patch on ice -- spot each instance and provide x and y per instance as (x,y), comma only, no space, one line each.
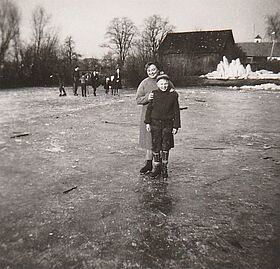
(266,86)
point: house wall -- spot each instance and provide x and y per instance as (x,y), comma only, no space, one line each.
(256,62)
(231,51)
(178,66)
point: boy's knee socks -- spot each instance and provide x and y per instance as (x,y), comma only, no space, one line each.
(156,157)
(165,155)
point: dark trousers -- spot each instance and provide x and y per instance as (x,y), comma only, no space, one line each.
(118,86)
(84,90)
(75,87)
(162,137)
(94,90)
(116,91)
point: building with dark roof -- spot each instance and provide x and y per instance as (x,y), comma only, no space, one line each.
(257,53)
(195,53)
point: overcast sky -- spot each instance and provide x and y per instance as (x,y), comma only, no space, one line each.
(86,20)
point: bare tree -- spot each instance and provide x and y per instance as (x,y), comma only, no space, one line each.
(273,26)
(155,30)
(107,62)
(142,50)
(40,22)
(69,52)
(9,26)
(45,46)
(120,34)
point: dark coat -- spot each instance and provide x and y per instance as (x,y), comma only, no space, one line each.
(76,76)
(164,106)
(94,80)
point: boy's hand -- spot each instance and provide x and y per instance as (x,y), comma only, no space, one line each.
(148,127)
(174,131)
(172,90)
(151,96)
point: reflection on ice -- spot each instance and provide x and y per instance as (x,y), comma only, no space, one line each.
(156,199)
(157,241)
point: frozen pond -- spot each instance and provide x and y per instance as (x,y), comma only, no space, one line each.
(71,195)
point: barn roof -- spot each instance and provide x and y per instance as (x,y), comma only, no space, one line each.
(260,49)
(199,42)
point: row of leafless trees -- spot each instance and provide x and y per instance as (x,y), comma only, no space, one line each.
(32,63)
(125,39)
(129,47)
(133,46)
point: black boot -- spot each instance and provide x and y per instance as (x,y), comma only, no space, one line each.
(147,168)
(156,171)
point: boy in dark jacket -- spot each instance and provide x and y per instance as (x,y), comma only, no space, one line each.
(163,121)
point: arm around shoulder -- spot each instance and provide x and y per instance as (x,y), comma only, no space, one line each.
(142,98)
(148,115)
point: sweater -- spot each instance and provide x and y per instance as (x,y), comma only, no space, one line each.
(164,106)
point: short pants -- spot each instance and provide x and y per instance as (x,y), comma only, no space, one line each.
(162,136)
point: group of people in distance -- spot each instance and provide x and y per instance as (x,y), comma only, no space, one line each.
(85,78)
(111,83)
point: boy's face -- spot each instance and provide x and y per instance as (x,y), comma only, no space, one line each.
(163,84)
(152,71)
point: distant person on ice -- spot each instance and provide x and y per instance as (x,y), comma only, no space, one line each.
(76,80)
(106,85)
(118,81)
(94,81)
(60,82)
(112,84)
(163,121)
(83,85)
(62,91)
(88,81)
